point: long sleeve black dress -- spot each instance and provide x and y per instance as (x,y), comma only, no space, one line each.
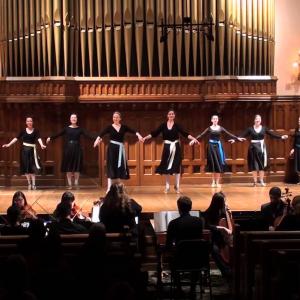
(116,162)
(296,146)
(215,153)
(257,151)
(72,156)
(29,160)
(171,155)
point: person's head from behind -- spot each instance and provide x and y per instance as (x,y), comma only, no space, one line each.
(14,215)
(218,202)
(63,210)
(68,197)
(116,196)
(97,235)
(275,195)
(19,200)
(296,205)
(184,205)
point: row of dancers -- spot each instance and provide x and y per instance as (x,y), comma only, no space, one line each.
(117,167)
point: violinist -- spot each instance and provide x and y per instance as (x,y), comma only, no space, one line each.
(218,220)
(273,209)
(291,216)
(76,210)
(27,212)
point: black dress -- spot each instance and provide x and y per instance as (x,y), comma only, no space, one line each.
(257,152)
(296,147)
(29,160)
(171,155)
(215,153)
(72,157)
(116,162)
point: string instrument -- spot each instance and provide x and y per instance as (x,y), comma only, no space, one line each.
(76,212)
(228,223)
(96,210)
(287,207)
(27,212)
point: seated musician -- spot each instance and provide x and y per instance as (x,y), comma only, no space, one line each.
(185,227)
(273,209)
(291,219)
(219,221)
(27,212)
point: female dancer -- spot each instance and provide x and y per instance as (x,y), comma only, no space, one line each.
(29,160)
(72,157)
(257,152)
(171,156)
(215,153)
(116,162)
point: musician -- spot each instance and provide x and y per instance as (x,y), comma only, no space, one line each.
(185,227)
(270,211)
(291,219)
(27,212)
(219,221)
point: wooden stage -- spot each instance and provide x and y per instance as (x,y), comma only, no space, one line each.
(240,197)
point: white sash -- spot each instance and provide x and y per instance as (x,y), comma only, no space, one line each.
(172,152)
(34,154)
(263,149)
(121,153)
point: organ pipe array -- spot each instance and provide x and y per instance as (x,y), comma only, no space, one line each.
(136,37)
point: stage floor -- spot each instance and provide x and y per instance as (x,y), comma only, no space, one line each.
(240,197)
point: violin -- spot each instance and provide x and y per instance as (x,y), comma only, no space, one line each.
(76,212)
(27,212)
(96,210)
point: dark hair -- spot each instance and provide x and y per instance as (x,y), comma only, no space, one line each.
(184,204)
(13,214)
(216,209)
(63,210)
(67,197)
(17,195)
(275,192)
(117,198)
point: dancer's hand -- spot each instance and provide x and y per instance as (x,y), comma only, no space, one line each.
(5,146)
(241,139)
(97,142)
(284,137)
(231,141)
(194,141)
(292,152)
(48,140)
(43,146)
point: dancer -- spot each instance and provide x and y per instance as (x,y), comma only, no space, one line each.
(171,156)
(29,160)
(116,162)
(257,152)
(72,157)
(215,154)
(296,149)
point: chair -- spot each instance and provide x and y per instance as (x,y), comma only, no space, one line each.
(191,256)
